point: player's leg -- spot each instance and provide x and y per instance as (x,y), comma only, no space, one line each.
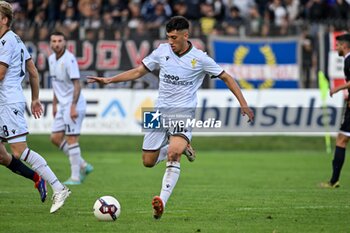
(339,153)
(38,163)
(153,157)
(154,148)
(17,167)
(58,139)
(177,145)
(74,152)
(339,158)
(79,167)
(58,134)
(12,117)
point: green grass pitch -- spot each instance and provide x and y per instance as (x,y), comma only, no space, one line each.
(237,184)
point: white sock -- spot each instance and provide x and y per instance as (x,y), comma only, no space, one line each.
(75,160)
(64,147)
(171,175)
(162,154)
(38,163)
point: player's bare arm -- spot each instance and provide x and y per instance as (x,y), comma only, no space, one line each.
(36,107)
(234,88)
(54,105)
(129,75)
(76,94)
(339,88)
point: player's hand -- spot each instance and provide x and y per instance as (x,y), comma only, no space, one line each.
(73,112)
(94,79)
(36,108)
(247,111)
(332,91)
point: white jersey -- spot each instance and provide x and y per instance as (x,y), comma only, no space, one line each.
(62,71)
(14,55)
(180,76)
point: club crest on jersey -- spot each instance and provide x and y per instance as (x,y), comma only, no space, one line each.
(194,63)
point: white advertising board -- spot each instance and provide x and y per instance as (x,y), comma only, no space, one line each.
(276,112)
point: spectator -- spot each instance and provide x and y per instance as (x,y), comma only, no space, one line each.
(118,9)
(254,22)
(278,17)
(340,14)
(233,22)
(157,19)
(69,23)
(148,9)
(207,21)
(243,6)
(307,58)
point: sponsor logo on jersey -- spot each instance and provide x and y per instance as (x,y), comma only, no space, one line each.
(175,80)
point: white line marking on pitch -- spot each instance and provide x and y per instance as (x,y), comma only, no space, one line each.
(291,207)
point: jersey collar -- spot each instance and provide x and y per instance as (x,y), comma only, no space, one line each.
(4,33)
(188,49)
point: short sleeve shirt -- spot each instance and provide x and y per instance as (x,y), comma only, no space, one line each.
(180,76)
(13,54)
(62,72)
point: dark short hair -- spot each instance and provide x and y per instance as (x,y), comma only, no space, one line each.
(344,37)
(177,23)
(58,33)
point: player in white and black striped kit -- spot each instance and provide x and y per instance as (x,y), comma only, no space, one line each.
(69,107)
(14,62)
(182,70)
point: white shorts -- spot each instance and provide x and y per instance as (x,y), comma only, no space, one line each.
(157,138)
(13,125)
(64,123)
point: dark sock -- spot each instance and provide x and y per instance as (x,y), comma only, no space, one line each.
(20,168)
(338,161)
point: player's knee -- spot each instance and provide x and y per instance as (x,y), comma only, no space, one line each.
(55,140)
(4,159)
(173,155)
(148,159)
(147,163)
(342,141)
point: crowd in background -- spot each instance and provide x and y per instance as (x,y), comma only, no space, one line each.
(145,20)
(122,19)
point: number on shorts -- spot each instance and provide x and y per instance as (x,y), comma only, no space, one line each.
(178,129)
(68,128)
(6,132)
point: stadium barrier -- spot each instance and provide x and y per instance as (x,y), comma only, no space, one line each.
(288,112)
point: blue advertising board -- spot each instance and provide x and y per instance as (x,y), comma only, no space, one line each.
(258,63)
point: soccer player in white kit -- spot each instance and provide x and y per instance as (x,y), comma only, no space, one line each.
(69,107)
(14,61)
(182,69)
